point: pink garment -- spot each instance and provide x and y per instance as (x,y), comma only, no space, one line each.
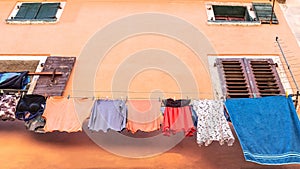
(143,115)
(61,115)
(178,119)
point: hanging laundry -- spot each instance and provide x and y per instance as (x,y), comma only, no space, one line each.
(143,115)
(194,114)
(268,129)
(212,124)
(30,106)
(60,115)
(8,104)
(83,107)
(108,114)
(13,80)
(36,124)
(177,117)
(176,103)
(226,114)
(30,109)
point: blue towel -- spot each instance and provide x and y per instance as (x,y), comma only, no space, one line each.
(268,129)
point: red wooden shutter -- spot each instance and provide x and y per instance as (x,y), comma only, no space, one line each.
(235,83)
(267,81)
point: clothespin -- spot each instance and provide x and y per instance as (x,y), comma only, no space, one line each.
(68,96)
(286,94)
(174,98)
(223,98)
(159,99)
(106,97)
(254,95)
(45,95)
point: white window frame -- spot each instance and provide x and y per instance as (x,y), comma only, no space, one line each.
(211,16)
(41,59)
(216,81)
(18,4)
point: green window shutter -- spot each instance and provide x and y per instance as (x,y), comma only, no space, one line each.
(48,11)
(28,11)
(263,12)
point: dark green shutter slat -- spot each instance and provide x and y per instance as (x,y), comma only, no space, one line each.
(28,11)
(263,12)
(48,11)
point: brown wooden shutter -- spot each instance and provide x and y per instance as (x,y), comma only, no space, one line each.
(267,81)
(47,85)
(235,83)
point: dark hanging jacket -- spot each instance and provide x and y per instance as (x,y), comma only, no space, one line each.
(16,81)
(30,106)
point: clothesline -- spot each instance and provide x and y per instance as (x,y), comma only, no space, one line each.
(129,91)
(148,98)
(140,92)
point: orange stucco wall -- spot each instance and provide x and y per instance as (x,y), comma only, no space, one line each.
(82,19)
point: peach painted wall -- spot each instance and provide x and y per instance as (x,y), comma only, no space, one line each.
(81,19)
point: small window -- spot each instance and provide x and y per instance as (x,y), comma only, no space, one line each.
(20,63)
(231,13)
(247,78)
(36,12)
(240,13)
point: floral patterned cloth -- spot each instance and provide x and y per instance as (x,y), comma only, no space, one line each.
(8,105)
(212,124)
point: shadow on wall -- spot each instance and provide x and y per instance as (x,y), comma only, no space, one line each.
(212,157)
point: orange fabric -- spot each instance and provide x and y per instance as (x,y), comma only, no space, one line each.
(83,108)
(60,115)
(143,115)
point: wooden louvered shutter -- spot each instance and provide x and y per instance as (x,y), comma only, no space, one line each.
(263,12)
(48,11)
(235,83)
(28,11)
(55,87)
(264,74)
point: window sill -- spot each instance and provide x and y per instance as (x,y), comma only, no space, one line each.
(242,23)
(31,21)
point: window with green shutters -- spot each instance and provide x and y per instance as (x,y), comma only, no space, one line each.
(248,78)
(36,12)
(255,13)
(231,13)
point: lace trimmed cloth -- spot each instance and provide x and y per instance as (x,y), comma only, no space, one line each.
(212,124)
